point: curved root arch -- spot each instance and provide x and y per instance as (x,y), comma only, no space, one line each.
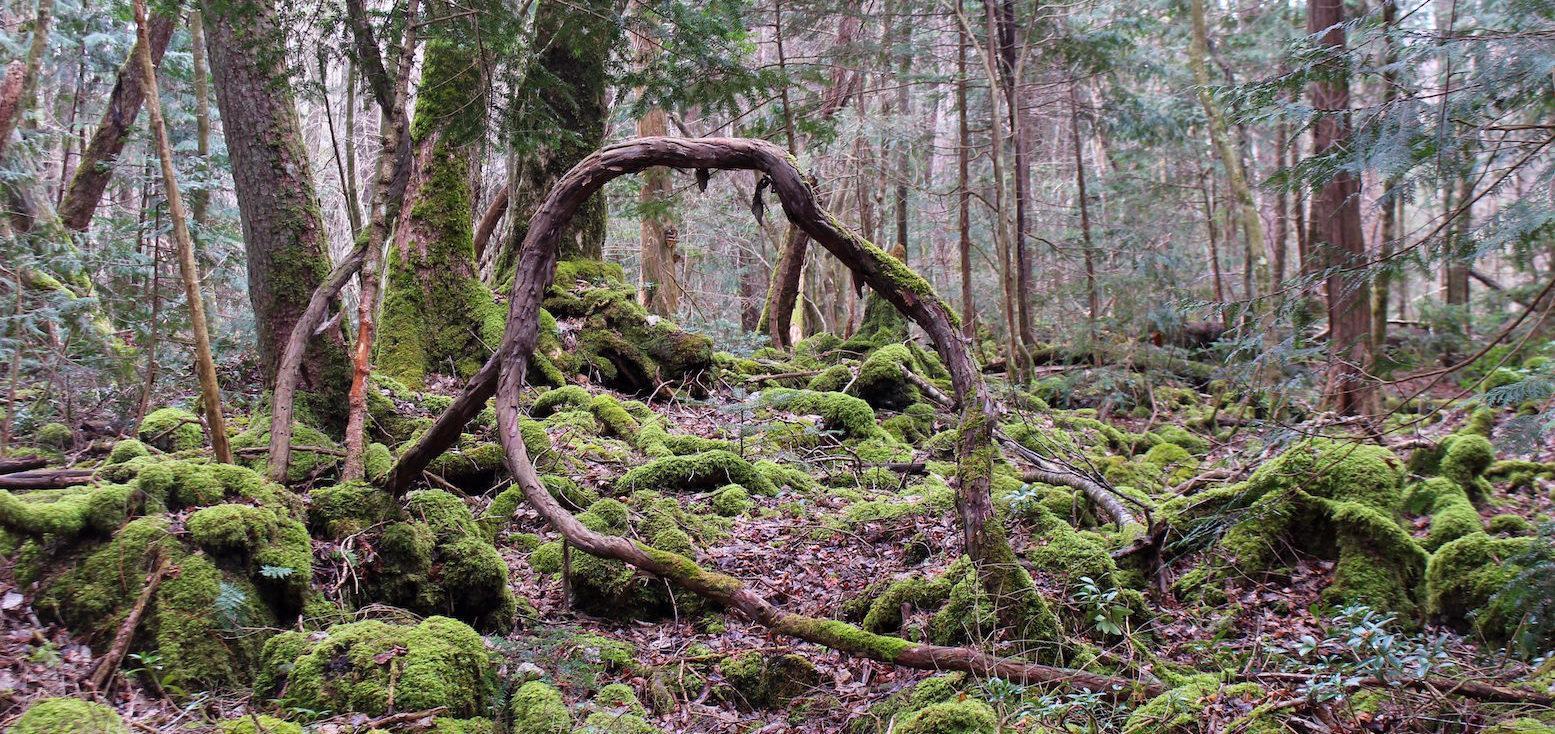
(504,376)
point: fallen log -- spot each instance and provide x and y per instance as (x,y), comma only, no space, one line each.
(13,464)
(1107,500)
(46,479)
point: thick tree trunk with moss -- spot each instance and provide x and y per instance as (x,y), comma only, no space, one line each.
(438,318)
(283,231)
(559,118)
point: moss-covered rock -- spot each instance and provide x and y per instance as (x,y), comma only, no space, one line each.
(439,560)
(702,471)
(54,436)
(305,464)
(354,667)
(1186,709)
(731,500)
(1334,499)
(340,510)
(1463,578)
(171,429)
(68,716)
(758,680)
(125,450)
(258,724)
(845,414)
(966,716)
(538,708)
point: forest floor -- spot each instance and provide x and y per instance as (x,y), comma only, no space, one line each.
(819,550)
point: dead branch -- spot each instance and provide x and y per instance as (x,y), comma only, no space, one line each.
(126,632)
(13,464)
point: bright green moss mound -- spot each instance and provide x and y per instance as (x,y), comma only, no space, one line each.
(702,471)
(1182,710)
(304,463)
(261,724)
(1329,498)
(171,429)
(967,716)
(55,436)
(439,560)
(125,450)
(881,382)
(845,414)
(731,500)
(439,662)
(68,716)
(538,708)
(767,681)
(1463,578)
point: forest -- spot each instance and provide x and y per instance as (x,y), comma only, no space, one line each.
(762,366)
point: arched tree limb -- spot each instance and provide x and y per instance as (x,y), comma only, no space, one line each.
(1004,580)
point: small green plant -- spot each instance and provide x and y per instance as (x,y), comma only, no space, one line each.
(1361,643)
(1106,612)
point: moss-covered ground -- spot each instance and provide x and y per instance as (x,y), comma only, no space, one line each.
(320,605)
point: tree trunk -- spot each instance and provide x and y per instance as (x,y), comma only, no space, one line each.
(96,167)
(1010,74)
(438,318)
(199,199)
(562,117)
(1392,203)
(964,192)
(1092,295)
(1230,157)
(205,365)
(283,232)
(20,83)
(658,285)
(1336,218)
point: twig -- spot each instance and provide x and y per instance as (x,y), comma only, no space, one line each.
(126,633)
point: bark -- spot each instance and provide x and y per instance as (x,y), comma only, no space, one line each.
(1392,203)
(1009,78)
(490,220)
(283,232)
(20,84)
(658,286)
(1336,217)
(96,167)
(46,479)
(205,364)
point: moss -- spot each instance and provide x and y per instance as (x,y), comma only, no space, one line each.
(831,379)
(260,724)
(68,512)
(444,563)
(1463,578)
(232,528)
(56,436)
(555,399)
(125,450)
(885,611)
(731,500)
(966,716)
(171,429)
(605,722)
(1465,463)
(1523,725)
(1334,499)
(1180,436)
(470,463)
(346,509)
(1184,709)
(377,462)
(537,708)
(705,470)
(68,716)
(1509,524)
(439,662)
(1174,462)
(881,382)
(767,681)
(845,414)
(445,725)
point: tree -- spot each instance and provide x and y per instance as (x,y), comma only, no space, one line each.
(1336,224)
(437,315)
(205,364)
(283,233)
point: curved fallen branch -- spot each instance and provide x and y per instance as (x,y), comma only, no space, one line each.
(289,372)
(1106,499)
(999,571)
